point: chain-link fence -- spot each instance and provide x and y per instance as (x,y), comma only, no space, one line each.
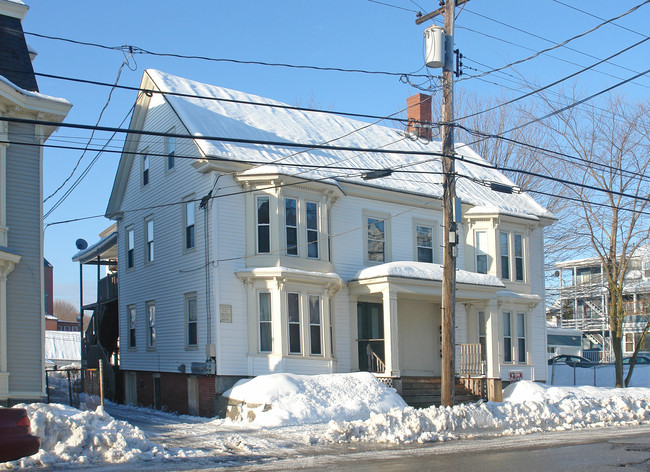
(71,386)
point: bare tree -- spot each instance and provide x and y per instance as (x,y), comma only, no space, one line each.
(65,310)
(612,147)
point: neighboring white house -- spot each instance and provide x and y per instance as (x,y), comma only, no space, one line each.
(584,302)
(22,321)
(238,259)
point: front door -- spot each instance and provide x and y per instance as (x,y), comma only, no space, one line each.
(370,326)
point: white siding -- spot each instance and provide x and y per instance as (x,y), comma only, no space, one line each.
(24,288)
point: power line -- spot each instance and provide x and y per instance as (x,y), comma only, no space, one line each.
(560,44)
(138,50)
(599,18)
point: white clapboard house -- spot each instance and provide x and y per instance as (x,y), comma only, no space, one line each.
(238,259)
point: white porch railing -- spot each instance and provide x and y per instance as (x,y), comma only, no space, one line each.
(470,360)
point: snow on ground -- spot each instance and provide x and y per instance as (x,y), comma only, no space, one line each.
(309,399)
(312,412)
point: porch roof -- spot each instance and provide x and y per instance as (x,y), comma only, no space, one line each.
(105,249)
(424,271)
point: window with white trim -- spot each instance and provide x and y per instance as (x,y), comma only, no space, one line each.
(266,334)
(151,324)
(481,245)
(311,219)
(263,223)
(170,150)
(130,248)
(149,240)
(145,167)
(132,315)
(504,247)
(507,337)
(519,257)
(521,338)
(191,320)
(293,317)
(189,209)
(291,225)
(424,243)
(376,239)
(315,329)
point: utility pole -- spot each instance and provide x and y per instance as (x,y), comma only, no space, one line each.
(448,201)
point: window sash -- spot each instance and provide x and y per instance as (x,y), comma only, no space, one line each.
(424,243)
(263,225)
(189,224)
(130,248)
(521,338)
(170,150)
(311,218)
(132,326)
(293,315)
(315,328)
(266,337)
(145,169)
(151,324)
(291,225)
(507,337)
(150,241)
(376,239)
(481,252)
(519,258)
(505,255)
(482,334)
(192,320)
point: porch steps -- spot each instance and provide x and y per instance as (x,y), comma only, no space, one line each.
(423,392)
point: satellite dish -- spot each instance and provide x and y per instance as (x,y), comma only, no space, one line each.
(81,244)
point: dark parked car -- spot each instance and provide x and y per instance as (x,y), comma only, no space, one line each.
(571,360)
(16,439)
(639,360)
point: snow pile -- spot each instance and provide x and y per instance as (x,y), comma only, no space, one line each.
(529,407)
(287,399)
(83,437)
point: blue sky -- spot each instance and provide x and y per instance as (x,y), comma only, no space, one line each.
(351,34)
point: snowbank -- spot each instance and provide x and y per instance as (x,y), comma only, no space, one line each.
(529,407)
(69,435)
(287,399)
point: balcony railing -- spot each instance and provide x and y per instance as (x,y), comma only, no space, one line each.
(108,288)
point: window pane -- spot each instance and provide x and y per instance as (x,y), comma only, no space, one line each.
(265,306)
(424,241)
(314,333)
(293,307)
(263,239)
(312,215)
(290,212)
(192,334)
(507,350)
(312,243)
(265,337)
(505,255)
(189,213)
(519,258)
(315,325)
(292,241)
(263,210)
(519,267)
(481,264)
(294,338)
(521,351)
(191,309)
(314,309)
(518,246)
(189,237)
(521,325)
(481,252)
(425,254)
(506,324)
(482,325)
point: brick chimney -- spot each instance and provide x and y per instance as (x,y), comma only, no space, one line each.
(419,115)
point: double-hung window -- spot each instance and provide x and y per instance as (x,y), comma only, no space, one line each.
(311,217)
(145,168)
(170,150)
(504,246)
(291,225)
(376,237)
(263,225)
(424,243)
(315,329)
(293,314)
(481,246)
(188,223)
(521,338)
(151,324)
(149,246)
(519,258)
(507,337)
(130,248)
(266,336)
(132,325)
(191,317)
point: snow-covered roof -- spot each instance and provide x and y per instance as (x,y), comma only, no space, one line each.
(234,119)
(424,271)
